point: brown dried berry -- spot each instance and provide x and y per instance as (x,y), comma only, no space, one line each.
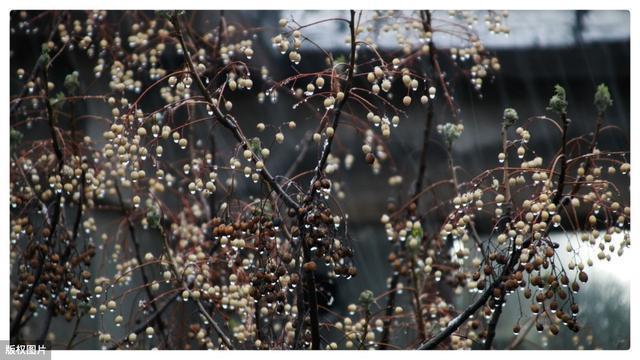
(309,266)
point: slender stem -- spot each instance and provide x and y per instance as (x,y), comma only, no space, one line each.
(365,328)
(312,297)
(216,327)
(222,25)
(493,323)
(592,147)
(418,304)
(50,116)
(74,333)
(563,154)
(203,311)
(497,312)
(452,167)
(145,277)
(505,165)
(433,51)
(308,276)
(391,300)
(422,169)
(425,150)
(300,316)
(140,328)
(326,150)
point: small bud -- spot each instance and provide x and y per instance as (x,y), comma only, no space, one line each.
(558,101)
(509,117)
(602,99)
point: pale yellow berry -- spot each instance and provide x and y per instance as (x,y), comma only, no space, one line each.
(329,131)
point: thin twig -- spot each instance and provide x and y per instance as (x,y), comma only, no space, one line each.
(308,276)
(422,169)
(145,277)
(140,328)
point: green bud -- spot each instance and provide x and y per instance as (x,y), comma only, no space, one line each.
(71,82)
(44,55)
(366,298)
(255,145)
(415,239)
(558,102)
(58,100)
(154,218)
(451,132)
(16,137)
(602,99)
(509,117)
